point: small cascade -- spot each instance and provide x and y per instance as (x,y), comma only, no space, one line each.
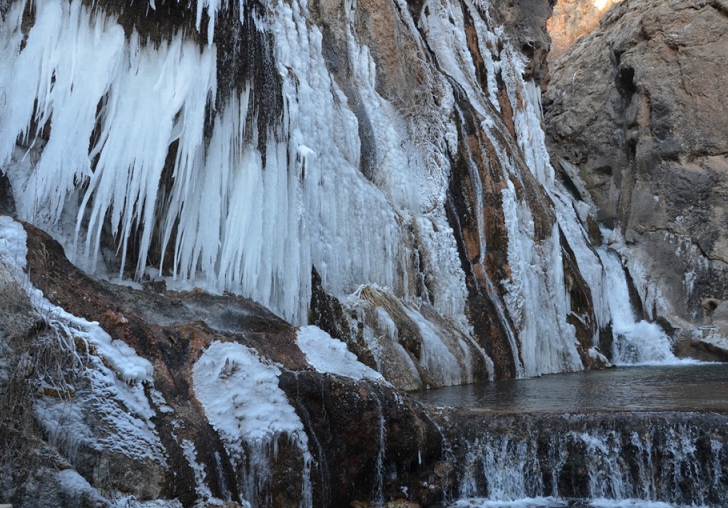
(673,457)
(378,498)
(635,342)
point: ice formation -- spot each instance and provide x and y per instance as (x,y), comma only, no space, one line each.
(330,355)
(204,495)
(243,403)
(110,139)
(112,393)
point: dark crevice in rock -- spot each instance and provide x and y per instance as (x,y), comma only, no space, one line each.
(245,58)
(7,202)
(159,25)
(634,297)
(326,312)
(581,316)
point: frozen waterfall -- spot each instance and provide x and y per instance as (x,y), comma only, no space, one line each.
(127,151)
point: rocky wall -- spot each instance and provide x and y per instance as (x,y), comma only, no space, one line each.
(636,111)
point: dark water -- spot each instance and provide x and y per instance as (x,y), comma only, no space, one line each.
(560,503)
(696,387)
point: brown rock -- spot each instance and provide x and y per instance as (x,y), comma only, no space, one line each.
(355,428)
(573,19)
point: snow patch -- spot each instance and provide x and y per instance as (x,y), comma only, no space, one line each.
(329,355)
(241,396)
(243,403)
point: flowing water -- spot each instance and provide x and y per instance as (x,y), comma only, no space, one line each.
(638,437)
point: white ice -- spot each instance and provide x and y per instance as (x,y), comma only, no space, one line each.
(254,219)
(329,355)
(244,404)
(241,397)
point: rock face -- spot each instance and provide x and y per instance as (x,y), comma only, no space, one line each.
(636,111)
(572,19)
(526,21)
(393,148)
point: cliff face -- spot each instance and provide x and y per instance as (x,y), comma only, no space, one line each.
(636,111)
(374,168)
(175,399)
(378,169)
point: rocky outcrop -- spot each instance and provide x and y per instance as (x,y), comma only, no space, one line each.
(366,441)
(636,111)
(525,22)
(393,148)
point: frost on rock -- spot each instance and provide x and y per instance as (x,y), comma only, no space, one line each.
(243,403)
(241,396)
(329,355)
(76,487)
(412,346)
(100,403)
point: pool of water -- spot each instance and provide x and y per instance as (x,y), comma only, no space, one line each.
(690,387)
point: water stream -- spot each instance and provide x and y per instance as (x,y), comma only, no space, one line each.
(641,437)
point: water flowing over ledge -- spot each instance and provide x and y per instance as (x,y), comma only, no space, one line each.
(672,458)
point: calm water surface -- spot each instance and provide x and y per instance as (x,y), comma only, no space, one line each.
(692,387)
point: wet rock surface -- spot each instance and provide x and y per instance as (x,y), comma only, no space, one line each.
(636,107)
